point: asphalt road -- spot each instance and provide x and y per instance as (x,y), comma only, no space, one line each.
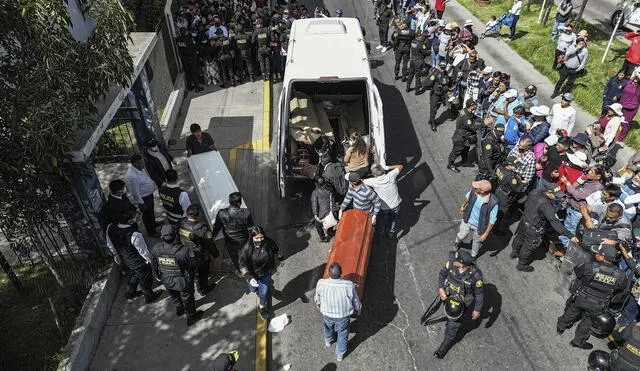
(517,326)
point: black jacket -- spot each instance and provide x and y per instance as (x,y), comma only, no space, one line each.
(257,262)
(334,173)
(234,223)
(175,257)
(321,202)
(114,207)
(154,166)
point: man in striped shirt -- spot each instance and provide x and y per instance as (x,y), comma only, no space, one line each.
(363,197)
(337,300)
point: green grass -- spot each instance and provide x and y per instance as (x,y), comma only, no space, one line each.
(532,43)
(30,338)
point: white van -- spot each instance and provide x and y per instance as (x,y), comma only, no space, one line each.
(327,90)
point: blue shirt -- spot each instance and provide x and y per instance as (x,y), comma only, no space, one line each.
(474,218)
(512,133)
(212,31)
(500,119)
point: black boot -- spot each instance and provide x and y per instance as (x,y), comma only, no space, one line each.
(443,349)
(193,318)
(179,311)
(432,124)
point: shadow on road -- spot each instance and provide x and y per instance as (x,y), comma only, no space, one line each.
(298,287)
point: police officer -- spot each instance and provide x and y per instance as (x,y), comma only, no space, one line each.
(225,54)
(274,44)
(464,135)
(196,237)
(598,285)
(402,46)
(460,280)
(627,356)
(538,211)
(491,152)
(438,93)
(173,266)
(174,199)
(245,53)
(260,41)
(420,50)
(189,57)
(284,45)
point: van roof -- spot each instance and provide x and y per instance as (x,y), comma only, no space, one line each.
(314,44)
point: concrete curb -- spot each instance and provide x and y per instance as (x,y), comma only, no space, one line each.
(84,338)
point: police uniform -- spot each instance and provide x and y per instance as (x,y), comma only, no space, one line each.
(597,286)
(284,45)
(420,50)
(197,239)
(491,152)
(463,136)
(274,45)
(538,211)
(172,265)
(466,286)
(260,41)
(627,356)
(170,197)
(224,48)
(188,56)
(402,47)
(245,54)
(438,95)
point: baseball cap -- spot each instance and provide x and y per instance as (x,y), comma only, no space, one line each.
(531,89)
(499,128)
(463,257)
(339,11)
(354,177)
(555,190)
(470,103)
(168,230)
(568,97)
(610,252)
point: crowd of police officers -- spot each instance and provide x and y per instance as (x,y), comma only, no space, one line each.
(600,288)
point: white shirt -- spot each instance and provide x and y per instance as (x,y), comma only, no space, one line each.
(611,130)
(136,240)
(515,9)
(386,188)
(562,118)
(596,205)
(184,200)
(140,184)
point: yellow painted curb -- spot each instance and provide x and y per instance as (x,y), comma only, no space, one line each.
(263,143)
(261,340)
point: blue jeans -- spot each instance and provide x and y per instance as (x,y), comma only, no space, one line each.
(571,222)
(387,219)
(513,26)
(556,31)
(263,290)
(629,314)
(339,327)
(435,57)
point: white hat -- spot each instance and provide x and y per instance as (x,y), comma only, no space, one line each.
(487,70)
(540,110)
(448,27)
(577,158)
(468,22)
(511,93)
(617,108)
(551,140)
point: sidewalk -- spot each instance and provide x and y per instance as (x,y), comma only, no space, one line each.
(146,337)
(501,57)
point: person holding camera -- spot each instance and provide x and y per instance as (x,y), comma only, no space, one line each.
(574,65)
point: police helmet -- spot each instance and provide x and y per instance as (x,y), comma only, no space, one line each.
(168,232)
(598,361)
(193,210)
(602,324)
(454,308)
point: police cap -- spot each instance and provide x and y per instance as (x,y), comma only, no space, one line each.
(463,257)
(499,128)
(168,230)
(193,210)
(610,252)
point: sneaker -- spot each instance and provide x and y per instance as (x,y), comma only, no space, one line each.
(384,50)
(379,47)
(507,39)
(264,313)
(339,359)
(453,168)
(327,345)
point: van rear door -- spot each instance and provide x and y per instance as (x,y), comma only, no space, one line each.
(282,137)
(377,125)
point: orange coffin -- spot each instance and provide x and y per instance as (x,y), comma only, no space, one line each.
(351,247)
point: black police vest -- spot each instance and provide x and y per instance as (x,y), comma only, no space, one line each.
(170,197)
(243,44)
(462,284)
(531,211)
(185,232)
(627,357)
(185,46)
(263,38)
(121,239)
(485,210)
(167,263)
(224,46)
(602,286)
(274,37)
(404,37)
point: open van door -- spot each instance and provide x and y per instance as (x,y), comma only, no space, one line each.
(282,137)
(377,126)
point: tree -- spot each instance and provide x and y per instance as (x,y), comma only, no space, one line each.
(48,85)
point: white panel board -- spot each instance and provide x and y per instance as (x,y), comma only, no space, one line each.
(213,183)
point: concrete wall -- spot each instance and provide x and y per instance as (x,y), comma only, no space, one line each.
(160,83)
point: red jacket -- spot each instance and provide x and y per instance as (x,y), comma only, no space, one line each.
(633,54)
